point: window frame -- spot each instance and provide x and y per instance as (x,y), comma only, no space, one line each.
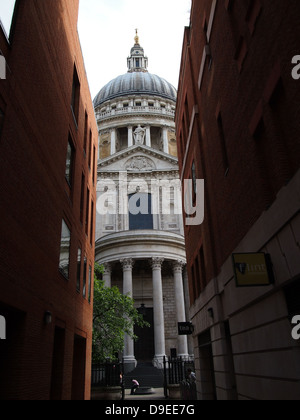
(69,174)
(65,271)
(75,97)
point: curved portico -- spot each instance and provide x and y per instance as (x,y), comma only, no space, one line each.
(162,254)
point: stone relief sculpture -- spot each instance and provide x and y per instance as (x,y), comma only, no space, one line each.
(139,163)
(139,135)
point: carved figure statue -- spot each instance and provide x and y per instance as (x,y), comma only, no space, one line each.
(139,135)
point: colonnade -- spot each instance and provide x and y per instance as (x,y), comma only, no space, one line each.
(113,138)
(158,307)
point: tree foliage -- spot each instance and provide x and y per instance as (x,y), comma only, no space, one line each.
(114,316)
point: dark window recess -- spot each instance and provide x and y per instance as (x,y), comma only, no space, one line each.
(292,296)
(75,95)
(82,198)
(223,145)
(85,132)
(92,223)
(87,214)
(90,148)
(140,212)
(90,284)
(64,260)
(70,163)
(94,165)
(78,282)
(84,278)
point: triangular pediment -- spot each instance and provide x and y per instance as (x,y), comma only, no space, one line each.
(138,158)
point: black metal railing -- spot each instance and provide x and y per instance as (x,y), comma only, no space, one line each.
(188,390)
(176,372)
(107,374)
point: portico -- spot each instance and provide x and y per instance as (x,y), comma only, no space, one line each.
(154,279)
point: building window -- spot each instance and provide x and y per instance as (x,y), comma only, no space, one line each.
(70,162)
(90,149)
(82,198)
(85,132)
(90,284)
(87,212)
(78,281)
(223,145)
(140,212)
(92,223)
(84,277)
(94,165)
(65,242)
(75,96)
(137,62)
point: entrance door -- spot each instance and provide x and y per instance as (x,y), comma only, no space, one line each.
(207,371)
(144,349)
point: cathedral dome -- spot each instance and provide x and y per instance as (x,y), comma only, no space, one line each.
(136,83)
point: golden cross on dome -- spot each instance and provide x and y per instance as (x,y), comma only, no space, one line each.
(136,38)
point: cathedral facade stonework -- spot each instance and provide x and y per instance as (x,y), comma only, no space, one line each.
(139,228)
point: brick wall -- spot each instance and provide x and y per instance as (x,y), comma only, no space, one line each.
(35,196)
(241,126)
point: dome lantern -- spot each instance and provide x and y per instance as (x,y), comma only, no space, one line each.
(137,62)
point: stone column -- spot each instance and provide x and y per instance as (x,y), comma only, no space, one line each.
(129,358)
(130,136)
(165,139)
(180,306)
(113,141)
(158,309)
(107,274)
(148,136)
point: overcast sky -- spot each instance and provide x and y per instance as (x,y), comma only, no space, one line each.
(107,30)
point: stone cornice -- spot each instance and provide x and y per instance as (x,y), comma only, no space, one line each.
(141,244)
(133,150)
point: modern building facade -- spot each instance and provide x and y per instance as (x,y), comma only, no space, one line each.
(238,127)
(48,155)
(139,230)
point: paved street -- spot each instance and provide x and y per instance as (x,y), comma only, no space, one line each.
(159,395)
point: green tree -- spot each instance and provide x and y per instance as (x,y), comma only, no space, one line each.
(114,316)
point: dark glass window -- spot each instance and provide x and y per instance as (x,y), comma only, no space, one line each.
(82,198)
(75,95)
(140,211)
(70,163)
(90,284)
(87,214)
(84,278)
(64,259)
(78,270)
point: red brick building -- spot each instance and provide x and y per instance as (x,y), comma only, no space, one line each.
(238,128)
(48,155)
